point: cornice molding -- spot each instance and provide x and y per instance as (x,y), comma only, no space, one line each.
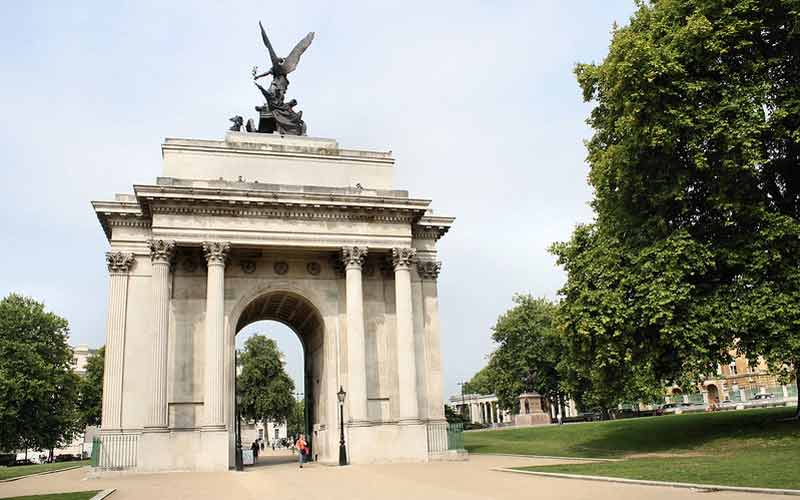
(386,216)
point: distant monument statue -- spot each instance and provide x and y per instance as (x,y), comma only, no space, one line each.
(277,115)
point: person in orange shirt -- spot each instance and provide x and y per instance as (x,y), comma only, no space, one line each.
(302,448)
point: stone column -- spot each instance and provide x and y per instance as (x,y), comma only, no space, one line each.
(353,259)
(402,259)
(428,271)
(214,406)
(161,253)
(119,264)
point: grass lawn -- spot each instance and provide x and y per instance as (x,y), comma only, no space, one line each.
(26,470)
(77,495)
(737,448)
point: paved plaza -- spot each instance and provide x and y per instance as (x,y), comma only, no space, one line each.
(279,477)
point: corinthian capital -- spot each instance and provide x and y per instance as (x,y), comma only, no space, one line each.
(429,269)
(403,257)
(353,256)
(119,262)
(161,250)
(216,252)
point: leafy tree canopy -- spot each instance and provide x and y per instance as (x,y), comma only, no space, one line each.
(481,382)
(296,423)
(90,402)
(695,249)
(38,389)
(528,352)
(266,390)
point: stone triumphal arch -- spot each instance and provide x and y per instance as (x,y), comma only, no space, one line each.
(292,229)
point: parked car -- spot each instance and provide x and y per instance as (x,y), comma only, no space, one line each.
(763,397)
(590,416)
(669,408)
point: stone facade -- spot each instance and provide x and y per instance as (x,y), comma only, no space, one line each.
(481,409)
(738,381)
(291,229)
(80,358)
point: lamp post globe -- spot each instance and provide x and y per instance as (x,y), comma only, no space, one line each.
(342,448)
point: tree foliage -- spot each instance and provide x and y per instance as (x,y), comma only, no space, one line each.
(695,249)
(481,382)
(452,416)
(266,390)
(296,423)
(38,389)
(528,352)
(90,401)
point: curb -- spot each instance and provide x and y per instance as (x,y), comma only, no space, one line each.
(41,473)
(103,494)
(550,457)
(644,482)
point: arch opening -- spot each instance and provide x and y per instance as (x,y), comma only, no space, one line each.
(299,315)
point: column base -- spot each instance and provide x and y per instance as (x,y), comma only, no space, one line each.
(150,429)
(409,421)
(214,428)
(185,450)
(387,443)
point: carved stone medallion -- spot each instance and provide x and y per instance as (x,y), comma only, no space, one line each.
(313,268)
(248,266)
(281,267)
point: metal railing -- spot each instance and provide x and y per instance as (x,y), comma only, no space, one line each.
(437,437)
(115,451)
(455,436)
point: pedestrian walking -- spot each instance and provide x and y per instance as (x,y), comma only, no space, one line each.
(302,449)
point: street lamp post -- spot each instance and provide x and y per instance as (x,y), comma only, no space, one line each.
(238,430)
(239,463)
(463,405)
(342,449)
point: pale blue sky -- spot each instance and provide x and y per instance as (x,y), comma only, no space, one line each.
(477,100)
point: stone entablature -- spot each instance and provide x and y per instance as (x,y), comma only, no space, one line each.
(192,215)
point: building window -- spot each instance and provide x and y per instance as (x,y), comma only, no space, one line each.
(732,367)
(276,433)
(261,434)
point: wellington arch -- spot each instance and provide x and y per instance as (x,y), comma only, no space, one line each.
(286,228)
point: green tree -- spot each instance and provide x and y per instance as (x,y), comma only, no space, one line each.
(38,390)
(296,423)
(695,248)
(266,390)
(90,402)
(481,382)
(452,416)
(528,352)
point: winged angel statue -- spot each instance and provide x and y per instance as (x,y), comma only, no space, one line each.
(279,116)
